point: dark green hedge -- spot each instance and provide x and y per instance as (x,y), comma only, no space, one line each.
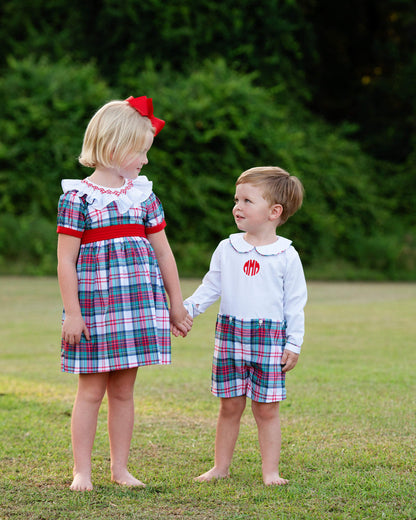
(218,123)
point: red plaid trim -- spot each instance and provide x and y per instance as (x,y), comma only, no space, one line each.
(69,231)
(156,229)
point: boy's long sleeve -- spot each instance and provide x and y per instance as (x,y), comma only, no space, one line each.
(209,291)
(294,301)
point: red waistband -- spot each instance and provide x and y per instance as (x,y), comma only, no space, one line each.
(108,232)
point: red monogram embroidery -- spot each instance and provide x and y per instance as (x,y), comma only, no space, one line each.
(251,267)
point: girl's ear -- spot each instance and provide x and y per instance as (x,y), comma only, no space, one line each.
(275,211)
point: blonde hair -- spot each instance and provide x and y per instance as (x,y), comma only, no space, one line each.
(279,187)
(115,130)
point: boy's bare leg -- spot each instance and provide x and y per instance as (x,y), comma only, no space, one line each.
(91,389)
(120,424)
(268,425)
(228,426)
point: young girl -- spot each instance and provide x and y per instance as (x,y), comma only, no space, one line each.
(114,263)
(260,325)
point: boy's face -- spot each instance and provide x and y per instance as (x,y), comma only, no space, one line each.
(252,212)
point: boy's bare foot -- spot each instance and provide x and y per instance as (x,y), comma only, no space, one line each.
(124,478)
(274,479)
(212,474)
(81,482)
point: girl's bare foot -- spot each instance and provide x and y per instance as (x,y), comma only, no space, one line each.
(124,478)
(274,479)
(212,474)
(81,482)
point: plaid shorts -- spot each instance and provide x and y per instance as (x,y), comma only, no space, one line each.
(247,359)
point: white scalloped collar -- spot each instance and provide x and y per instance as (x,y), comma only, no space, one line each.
(239,243)
(127,196)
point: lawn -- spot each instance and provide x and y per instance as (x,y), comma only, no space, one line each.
(348,425)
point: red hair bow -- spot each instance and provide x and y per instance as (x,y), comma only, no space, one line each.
(144,106)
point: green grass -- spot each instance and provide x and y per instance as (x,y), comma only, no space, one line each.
(348,425)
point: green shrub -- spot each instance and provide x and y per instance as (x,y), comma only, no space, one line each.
(273,38)
(27,245)
(43,117)
(218,123)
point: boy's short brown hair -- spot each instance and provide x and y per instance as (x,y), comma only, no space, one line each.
(279,187)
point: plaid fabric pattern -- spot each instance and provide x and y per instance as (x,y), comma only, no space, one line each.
(247,359)
(120,290)
(75,213)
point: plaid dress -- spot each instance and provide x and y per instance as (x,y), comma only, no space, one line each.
(120,287)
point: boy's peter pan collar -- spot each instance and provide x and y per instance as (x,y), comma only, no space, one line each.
(242,246)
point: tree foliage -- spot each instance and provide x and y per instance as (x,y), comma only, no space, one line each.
(262,35)
(232,84)
(46,109)
(364,70)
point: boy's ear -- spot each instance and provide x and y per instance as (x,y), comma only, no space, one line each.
(275,211)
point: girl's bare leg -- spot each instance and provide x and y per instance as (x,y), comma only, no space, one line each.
(120,424)
(228,426)
(268,425)
(91,389)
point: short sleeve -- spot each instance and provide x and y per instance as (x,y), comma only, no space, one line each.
(71,214)
(155,216)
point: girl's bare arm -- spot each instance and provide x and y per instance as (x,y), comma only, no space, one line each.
(179,317)
(74,325)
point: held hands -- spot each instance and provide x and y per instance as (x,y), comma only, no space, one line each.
(180,322)
(72,329)
(289,360)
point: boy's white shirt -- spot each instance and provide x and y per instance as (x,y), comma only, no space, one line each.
(277,291)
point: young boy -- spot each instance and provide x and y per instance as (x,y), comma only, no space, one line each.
(260,325)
